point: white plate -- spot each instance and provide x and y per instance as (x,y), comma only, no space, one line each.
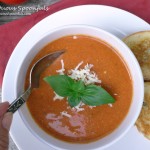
(116,21)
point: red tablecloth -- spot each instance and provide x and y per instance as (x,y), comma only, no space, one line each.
(11,33)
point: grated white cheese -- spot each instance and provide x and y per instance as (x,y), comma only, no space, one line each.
(64,113)
(77,67)
(61,71)
(74,37)
(57,97)
(92,107)
(79,107)
(115,94)
(85,74)
(110,105)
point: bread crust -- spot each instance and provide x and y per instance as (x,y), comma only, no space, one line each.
(143,121)
(139,43)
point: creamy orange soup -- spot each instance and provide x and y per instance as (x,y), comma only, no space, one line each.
(90,124)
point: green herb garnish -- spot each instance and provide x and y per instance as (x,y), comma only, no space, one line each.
(76,91)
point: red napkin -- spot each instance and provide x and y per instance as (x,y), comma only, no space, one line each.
(11,33)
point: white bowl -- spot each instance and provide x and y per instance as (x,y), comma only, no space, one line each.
(121,48)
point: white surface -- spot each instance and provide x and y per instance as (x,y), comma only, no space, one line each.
(115,21)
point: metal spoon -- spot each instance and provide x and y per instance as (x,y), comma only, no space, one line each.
(35,73)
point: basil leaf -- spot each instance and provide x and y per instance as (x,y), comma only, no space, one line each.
(78,86)
(61,84)
(74,100)
(96,95)
(75,91)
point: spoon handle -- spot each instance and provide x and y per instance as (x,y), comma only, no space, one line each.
(17,103)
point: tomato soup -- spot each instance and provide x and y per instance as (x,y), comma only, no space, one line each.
(91,123)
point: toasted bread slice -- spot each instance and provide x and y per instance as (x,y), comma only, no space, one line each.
(143,121)
(139,43)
